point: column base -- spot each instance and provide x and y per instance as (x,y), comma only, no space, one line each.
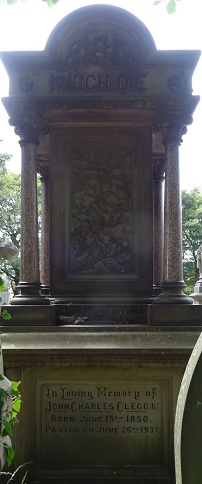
(29,295)
(157,289)
(172,293)
(45,290)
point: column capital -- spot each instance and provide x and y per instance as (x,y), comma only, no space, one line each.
(172,127)
(173,133)
(29,127)
(43,171)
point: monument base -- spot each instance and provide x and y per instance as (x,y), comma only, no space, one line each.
(104,313)
(101,400)
(174,315)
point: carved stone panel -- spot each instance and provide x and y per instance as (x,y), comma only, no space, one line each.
(101,211)
(101,216)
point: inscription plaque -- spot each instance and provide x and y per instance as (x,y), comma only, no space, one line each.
(102,425)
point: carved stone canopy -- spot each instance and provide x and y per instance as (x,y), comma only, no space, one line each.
(102,91)
(100,58)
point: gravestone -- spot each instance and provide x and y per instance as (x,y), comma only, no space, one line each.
(113,111)
(197,295)
(100,114)
(188,422)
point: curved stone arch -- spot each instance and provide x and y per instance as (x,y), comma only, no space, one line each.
(122,30)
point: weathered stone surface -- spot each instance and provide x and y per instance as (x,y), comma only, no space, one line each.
(100,422)
(188,422)
(104,96)
(102,216)
(100,73)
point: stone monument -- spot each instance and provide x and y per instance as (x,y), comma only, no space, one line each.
(188,438)
(99,325)
(197,295)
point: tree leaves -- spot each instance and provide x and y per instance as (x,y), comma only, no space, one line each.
(10,455)
(50,3)
(10,404)
(7,427)
(191,233)
(5,315)
(17,405)
(15,385)
(171,5)
(10,219)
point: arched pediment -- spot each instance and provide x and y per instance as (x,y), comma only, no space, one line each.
(100,35)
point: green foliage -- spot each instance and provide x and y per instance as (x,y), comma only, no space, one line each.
(9,414)
(10,217)
(171,5)
(5,315)
(50,3)
(2,286)
(190,276)
(191,234)
(10,220)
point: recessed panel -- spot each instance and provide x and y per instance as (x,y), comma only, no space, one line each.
(98,422)
(113,424)
(101,212)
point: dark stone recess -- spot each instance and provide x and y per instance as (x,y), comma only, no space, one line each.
(117,480)
(102,315)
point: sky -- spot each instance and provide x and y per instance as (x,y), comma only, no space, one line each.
(27,27)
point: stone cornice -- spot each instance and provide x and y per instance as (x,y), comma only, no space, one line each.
(41,112)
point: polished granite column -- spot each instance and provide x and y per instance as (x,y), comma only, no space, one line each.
(29,284)
(45,232)
(173,284)
(158,221)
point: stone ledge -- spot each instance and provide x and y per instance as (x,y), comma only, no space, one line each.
(174,314)
(33,315)
(97,341)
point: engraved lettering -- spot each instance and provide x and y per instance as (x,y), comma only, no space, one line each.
(84,82)
(103,84)
(73,83)
(122,414)
(155,406)
(91,83)
(123,83)
(67,394)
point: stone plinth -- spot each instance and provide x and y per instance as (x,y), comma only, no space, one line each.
(102,402)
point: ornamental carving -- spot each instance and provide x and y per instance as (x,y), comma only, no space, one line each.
(176,82)
(103,49)
(100,211)
(171,127)
(26,85)
(29,127)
